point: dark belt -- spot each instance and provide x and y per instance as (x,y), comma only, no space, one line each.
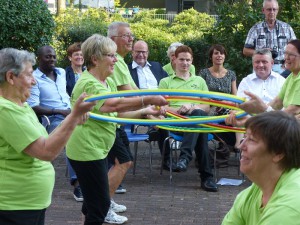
(276,61)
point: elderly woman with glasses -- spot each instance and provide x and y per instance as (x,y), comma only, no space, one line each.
(26,150)
(270,158)
(90,144)
(288,98)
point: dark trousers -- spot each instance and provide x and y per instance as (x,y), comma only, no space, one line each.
(92,176)
(22,217)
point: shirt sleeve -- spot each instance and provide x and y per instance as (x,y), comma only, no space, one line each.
(250,40)
(34,99)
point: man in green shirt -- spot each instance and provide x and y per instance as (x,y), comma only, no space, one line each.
(170,67)
(184,80)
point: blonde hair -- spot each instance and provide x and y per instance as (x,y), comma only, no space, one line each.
(96,45)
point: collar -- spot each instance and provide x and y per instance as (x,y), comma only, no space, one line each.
(41,74)
(253,76)
(135,65)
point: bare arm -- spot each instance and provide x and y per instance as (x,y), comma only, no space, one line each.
(248,52)
(130,104)
(40,110)
(49,148)
(276,103)
(126,87)
(233,87)
(293,109)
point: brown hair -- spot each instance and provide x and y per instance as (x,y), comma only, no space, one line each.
(183,48)
(217,47)
(281,134)
(74,48)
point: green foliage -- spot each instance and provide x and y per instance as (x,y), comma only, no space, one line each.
(74,26)
(191,23)
(25,24)
(235,20)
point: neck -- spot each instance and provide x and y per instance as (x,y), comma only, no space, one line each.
(271,23)
(184,75)
(99,76)
(267,186)
(77,69)
(217,70)
(8,94)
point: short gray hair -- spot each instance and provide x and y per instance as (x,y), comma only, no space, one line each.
(172,48)
(14,60)
(113,28)
(265,1)
(96,45)
(263,51)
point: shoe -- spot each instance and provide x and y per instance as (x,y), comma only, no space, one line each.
(166,165)
(182,165)
(209,185)
(116,207)
(113,218)
(120,190)
(77,194)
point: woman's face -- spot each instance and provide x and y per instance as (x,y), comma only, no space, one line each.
(292,58)
(23,83)
(217,57)
(77,58)
(255,157)
(107,63)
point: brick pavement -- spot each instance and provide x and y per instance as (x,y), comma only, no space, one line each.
(158,202)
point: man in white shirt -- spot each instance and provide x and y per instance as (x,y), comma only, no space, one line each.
(263,81)
(145,74)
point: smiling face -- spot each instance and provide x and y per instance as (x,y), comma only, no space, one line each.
(183,62)
(107,63)
(47,59)
(140,53)
(124,40)
(23,83)
(255,157)
(292,59)
(77,58)
(262,65)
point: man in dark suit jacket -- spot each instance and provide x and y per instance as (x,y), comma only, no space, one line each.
(146,75)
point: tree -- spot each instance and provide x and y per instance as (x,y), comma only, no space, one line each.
(25,24)
(61,6)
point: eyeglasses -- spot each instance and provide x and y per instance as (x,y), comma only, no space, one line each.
(290,55)
(112,56)
(126,36)
(141,52)
(272,9)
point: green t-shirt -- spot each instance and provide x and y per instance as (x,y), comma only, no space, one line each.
(121,75)
(283,206)
(26,183)
(94,139)
(290,91)
(169,69)
(174,82)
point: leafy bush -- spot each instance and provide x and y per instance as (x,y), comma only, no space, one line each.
(25,24)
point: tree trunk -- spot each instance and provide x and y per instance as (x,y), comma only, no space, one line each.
(61,6)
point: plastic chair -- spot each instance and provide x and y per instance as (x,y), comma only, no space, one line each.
(174,146)
(135,138)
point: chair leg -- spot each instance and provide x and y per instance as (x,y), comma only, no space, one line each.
(135,156)
(163,155)
(150,160)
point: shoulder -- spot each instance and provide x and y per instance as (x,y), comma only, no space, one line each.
(60,71)
(154,63)
(282,24)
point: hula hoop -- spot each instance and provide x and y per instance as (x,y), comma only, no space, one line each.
(184,95)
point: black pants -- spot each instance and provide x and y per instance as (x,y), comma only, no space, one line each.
(22,217)
(93,179)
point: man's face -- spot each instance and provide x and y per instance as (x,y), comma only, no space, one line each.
(262,65)
(183,62)
(140,53)
(124,40)
(270,11)
(47,59)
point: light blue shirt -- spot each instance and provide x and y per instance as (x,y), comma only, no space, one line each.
(47,93)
